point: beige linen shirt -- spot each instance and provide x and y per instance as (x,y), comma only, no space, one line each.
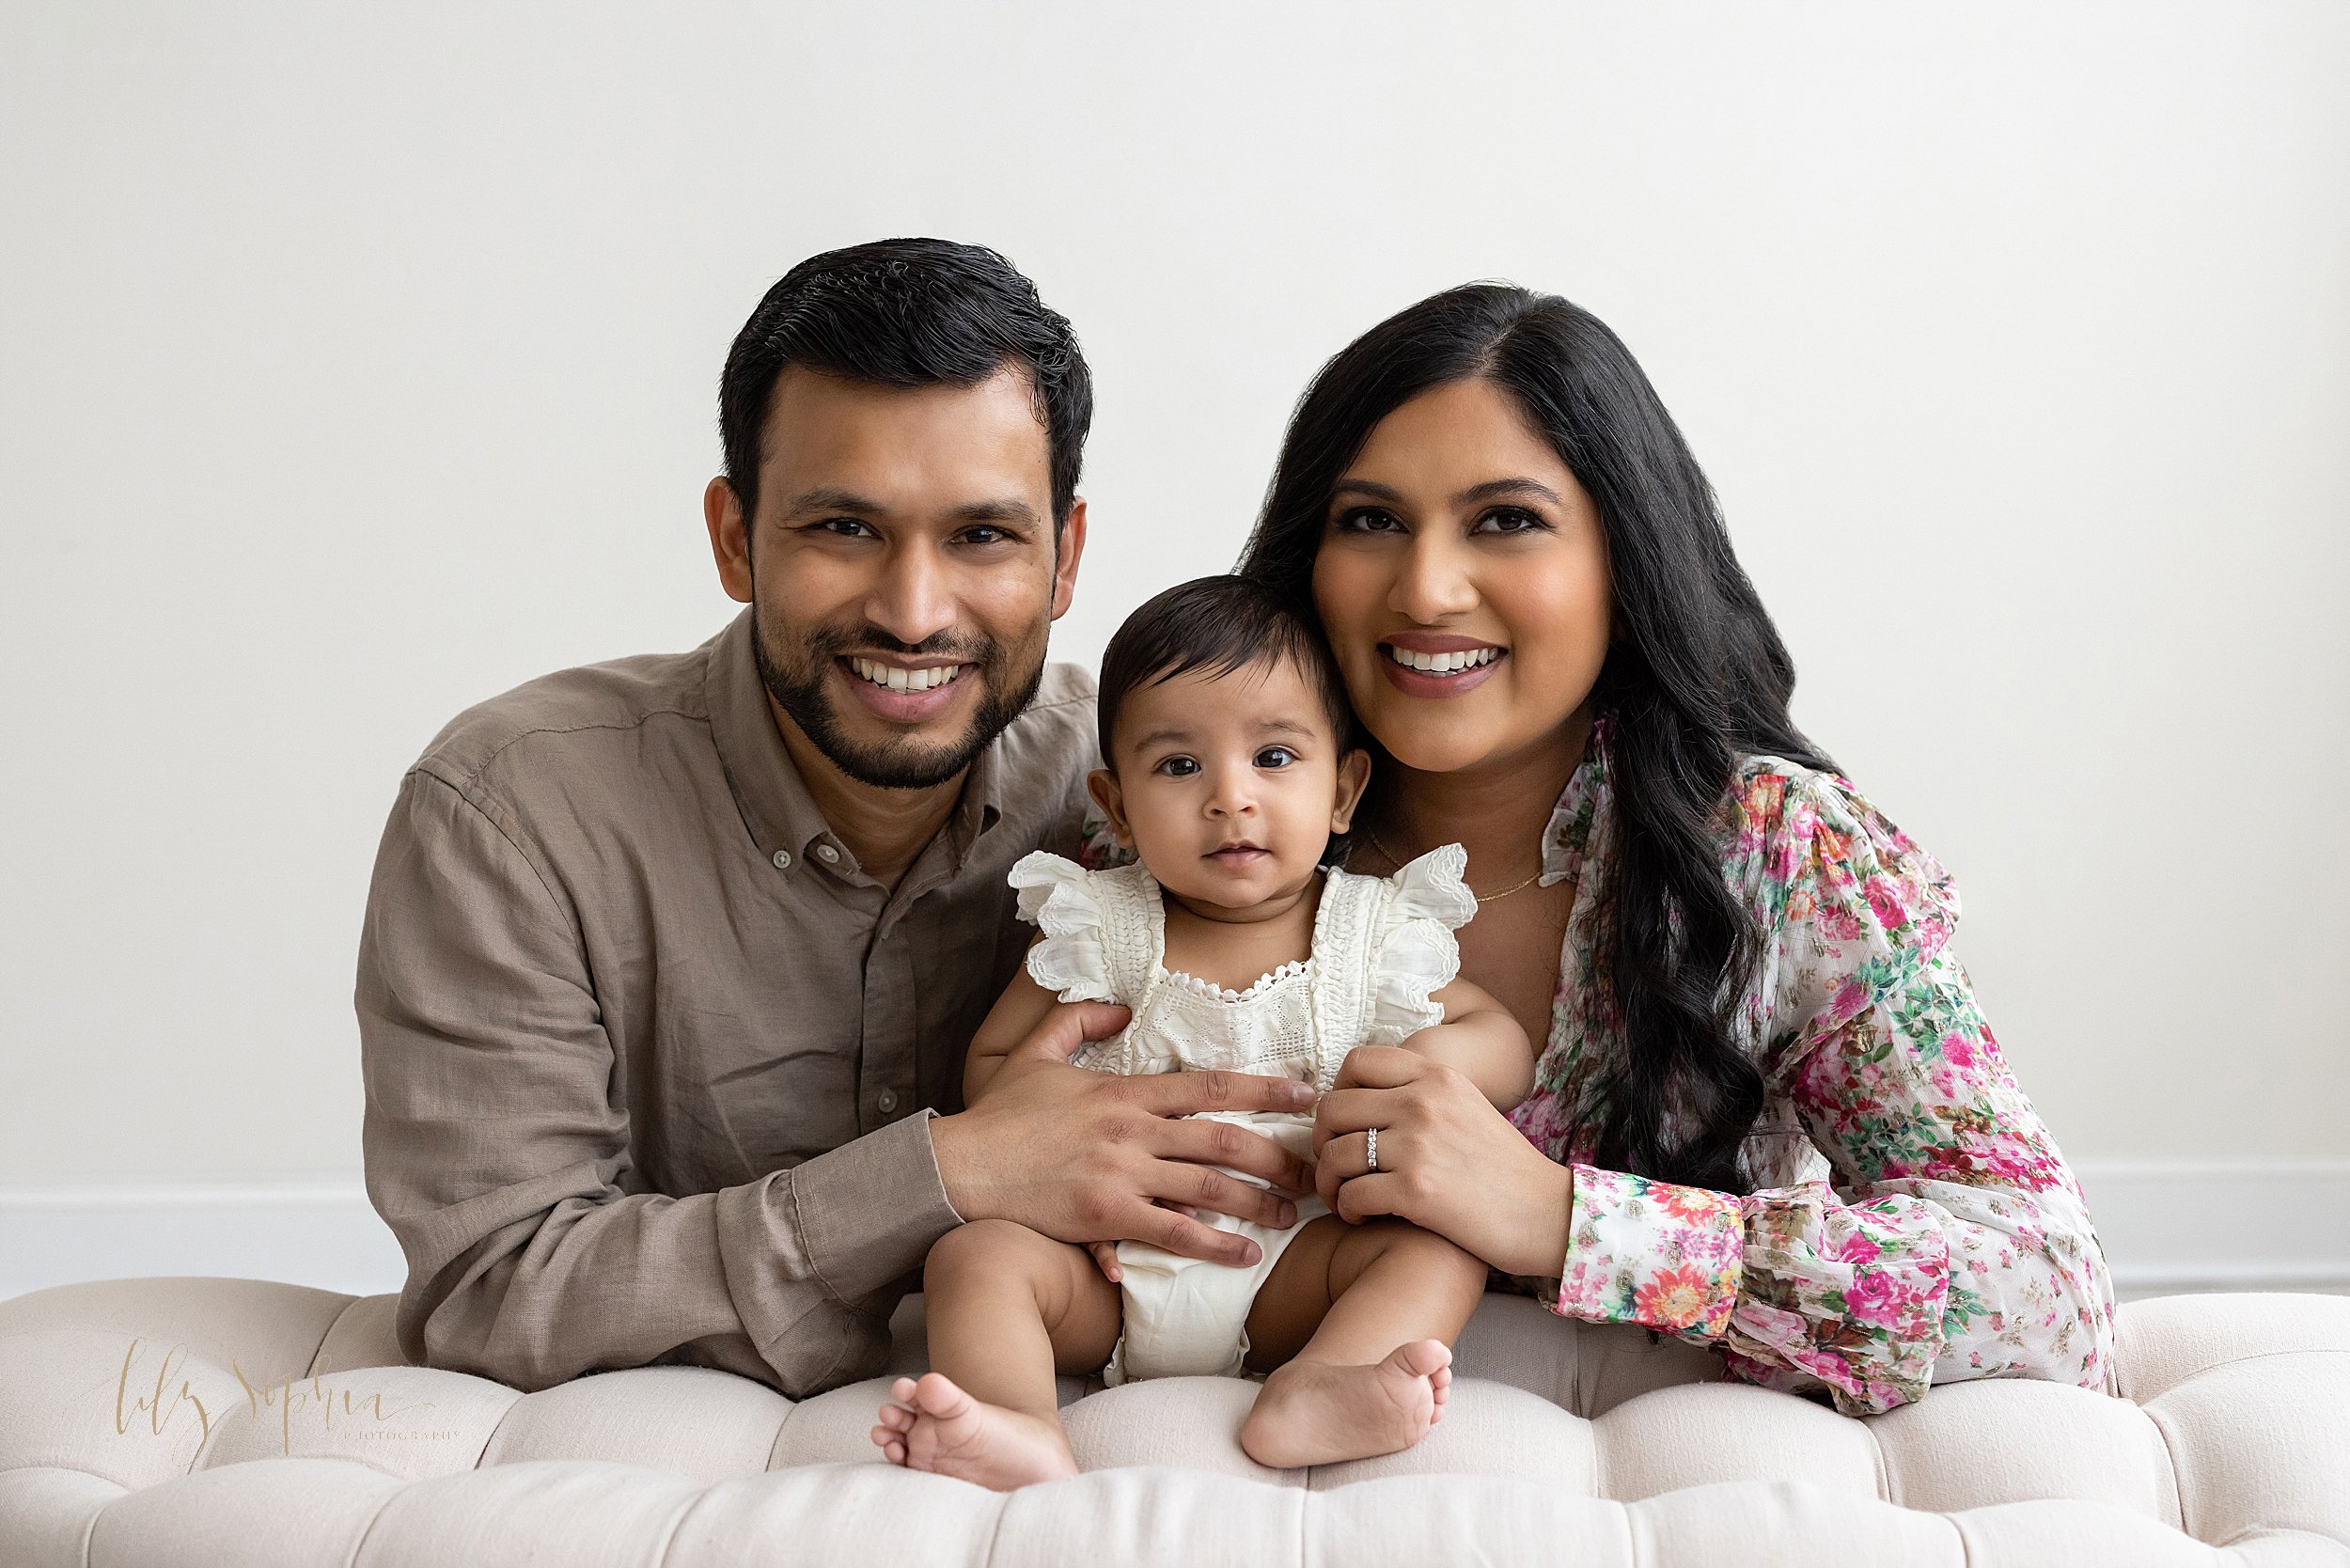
(649,1062)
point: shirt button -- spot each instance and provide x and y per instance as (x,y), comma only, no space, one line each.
(783,860)
(828,855)
(886,1101)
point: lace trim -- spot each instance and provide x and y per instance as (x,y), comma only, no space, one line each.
(1214,993)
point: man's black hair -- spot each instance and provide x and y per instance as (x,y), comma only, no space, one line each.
(1218,625)
(906,313)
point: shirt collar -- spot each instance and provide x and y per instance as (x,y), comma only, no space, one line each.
(980,805)
(766,783)
(768,789)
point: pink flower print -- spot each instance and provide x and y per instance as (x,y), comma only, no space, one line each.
(1768,1326)
(1886,900)
(1857,1248)
(1873,1297)
(1541,1119)
(1673,1298)
(1957,1050)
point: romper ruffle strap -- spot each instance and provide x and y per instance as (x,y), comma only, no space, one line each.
(1413,950)
(1060,896)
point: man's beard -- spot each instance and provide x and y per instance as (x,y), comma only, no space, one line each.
(903,764)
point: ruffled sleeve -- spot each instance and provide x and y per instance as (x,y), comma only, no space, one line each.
(1952,1242)
(1412,947)
(1059,895)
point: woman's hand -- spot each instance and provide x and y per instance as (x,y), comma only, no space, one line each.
(1448,1162)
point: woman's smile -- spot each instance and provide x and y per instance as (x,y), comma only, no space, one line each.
(1426,663)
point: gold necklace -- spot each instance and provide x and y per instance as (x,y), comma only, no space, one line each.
(1397,861)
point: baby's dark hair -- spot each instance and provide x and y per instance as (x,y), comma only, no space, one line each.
(1219,625)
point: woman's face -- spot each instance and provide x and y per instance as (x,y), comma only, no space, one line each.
(1463,579)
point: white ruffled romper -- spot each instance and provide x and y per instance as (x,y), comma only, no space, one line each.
(1381,945)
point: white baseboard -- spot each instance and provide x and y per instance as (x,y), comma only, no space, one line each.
(324,1234)
(2221,1224)
(2166,1225)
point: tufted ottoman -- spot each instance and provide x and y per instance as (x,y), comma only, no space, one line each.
(185,1422)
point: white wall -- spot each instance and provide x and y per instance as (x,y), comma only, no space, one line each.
(354,366)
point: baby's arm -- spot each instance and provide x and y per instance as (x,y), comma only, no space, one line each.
(1479,1039)
(1014,1016)
(1017,1012)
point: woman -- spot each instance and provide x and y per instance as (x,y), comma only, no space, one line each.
(1768,1116)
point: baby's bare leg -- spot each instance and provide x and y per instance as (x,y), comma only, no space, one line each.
(1358,1323)
(1007,1307)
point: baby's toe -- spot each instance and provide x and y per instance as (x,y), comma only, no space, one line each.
(937,1395)
(1422,1358)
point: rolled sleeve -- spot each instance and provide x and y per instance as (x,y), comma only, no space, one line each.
(859,1217)
(497,1153)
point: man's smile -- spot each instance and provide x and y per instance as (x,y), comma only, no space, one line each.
(902,692)
(915,678)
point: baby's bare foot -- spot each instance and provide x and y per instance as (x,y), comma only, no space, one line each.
(1311,1413)
(935,1426)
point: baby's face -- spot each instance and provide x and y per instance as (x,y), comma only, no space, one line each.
(1229,787)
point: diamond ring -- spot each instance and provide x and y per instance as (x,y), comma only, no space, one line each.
(1371,1146)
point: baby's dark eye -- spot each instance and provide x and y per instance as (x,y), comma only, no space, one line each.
(1275,757)
(1178,767)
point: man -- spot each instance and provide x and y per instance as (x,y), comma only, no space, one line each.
(669,964)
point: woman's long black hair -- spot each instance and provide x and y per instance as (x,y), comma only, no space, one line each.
(1696,676)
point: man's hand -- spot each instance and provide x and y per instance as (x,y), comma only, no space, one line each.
(1087,1156)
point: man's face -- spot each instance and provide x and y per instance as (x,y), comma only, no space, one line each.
(901,567)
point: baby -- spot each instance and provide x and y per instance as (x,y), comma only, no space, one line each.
(1224,727)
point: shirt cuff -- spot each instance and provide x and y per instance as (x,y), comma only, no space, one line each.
(870,1209)
(1664,1256)
(857,1217)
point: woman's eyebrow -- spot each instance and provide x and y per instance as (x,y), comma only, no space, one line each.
(1492,488)
(1518,485)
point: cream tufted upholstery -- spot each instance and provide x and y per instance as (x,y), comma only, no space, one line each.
(192,1421)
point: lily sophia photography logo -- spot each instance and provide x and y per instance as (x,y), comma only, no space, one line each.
(154,1405)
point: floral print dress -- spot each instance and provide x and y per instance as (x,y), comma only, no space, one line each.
(1912,1222)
